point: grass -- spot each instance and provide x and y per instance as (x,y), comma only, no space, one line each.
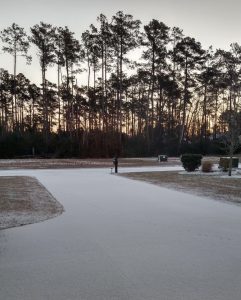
(219,188)
(23,200)
(8,164)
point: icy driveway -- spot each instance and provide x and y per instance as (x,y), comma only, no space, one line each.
(122,239)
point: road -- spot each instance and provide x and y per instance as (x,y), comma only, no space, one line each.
(122,239)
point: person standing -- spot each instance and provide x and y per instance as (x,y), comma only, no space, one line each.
(115,162)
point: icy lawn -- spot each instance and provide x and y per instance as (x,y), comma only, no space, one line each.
(216,185)
(122,239)
(23,200)
(81,163)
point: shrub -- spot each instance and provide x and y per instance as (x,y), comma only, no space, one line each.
(191,162)
(224,163)
(207,166)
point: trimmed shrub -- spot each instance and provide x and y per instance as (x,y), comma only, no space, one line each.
(207,166)
(191,162)
(224,163)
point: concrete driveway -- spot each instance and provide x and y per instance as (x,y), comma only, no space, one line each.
(122,239)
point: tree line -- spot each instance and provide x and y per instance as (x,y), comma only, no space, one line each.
(149,90)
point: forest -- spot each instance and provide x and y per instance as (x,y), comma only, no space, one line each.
(150,90)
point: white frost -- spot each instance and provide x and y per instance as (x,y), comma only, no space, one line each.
(122,239)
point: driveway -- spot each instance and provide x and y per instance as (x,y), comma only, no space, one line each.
(122,239)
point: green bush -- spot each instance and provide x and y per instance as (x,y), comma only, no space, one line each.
(191,162)
(224,163)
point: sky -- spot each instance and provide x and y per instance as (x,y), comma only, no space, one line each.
(211,22)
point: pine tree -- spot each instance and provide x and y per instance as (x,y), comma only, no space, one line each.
(189,56)
(125,37)
(16,43)
(43,37)
(156,39)
(70,55)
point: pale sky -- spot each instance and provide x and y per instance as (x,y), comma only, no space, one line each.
(212,22)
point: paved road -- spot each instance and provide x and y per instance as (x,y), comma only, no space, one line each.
(122,239)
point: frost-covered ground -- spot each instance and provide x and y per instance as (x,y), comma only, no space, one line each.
(23,200)
(122,239)
(34,163)
(216,185)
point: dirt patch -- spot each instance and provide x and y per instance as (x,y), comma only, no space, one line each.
(23,200)
(215,187)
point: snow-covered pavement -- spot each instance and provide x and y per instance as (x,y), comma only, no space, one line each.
(122,239)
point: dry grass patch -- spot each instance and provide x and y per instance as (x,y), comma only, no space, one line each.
(23,200)
(6,164)
(220,188)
